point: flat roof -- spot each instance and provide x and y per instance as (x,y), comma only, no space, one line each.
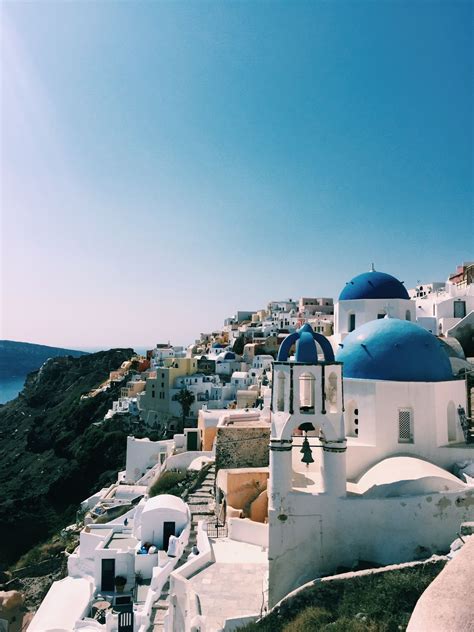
(122,542)
(65,603)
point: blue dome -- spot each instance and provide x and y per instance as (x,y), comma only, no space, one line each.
(373,284)
(306,350)
(392,349)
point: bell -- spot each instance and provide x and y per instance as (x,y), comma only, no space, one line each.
(306,450)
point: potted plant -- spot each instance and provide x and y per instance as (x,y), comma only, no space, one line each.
(120,582)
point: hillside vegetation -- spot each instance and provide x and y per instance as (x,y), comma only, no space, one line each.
(52,455)
(378,602)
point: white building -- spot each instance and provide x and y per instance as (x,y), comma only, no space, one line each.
(441,310)
(164,352)
(384,493)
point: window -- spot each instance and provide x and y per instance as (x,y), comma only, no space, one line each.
(352,322)
(381,315)
(281,391)
(407,315)
(459,309)
(405,425)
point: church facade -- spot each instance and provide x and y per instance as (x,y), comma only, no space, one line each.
(363,441)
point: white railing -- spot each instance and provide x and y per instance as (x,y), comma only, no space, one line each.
(160,576)
(186,615)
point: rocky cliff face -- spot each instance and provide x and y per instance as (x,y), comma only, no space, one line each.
(52,454)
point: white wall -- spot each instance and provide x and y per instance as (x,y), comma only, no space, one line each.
(320,532)
(152,522)
(142,454)
(245,530)
(378,403)
(366,310)
(183,461)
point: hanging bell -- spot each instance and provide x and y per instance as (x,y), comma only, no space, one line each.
(306,450)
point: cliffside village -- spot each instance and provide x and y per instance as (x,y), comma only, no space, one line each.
(323,433)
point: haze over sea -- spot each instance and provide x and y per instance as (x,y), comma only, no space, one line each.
(10,387)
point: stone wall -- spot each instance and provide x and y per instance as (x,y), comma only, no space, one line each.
(242,447)
(41,568)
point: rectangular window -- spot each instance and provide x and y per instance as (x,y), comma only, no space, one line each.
(459,309)
(405,425)
(352,322)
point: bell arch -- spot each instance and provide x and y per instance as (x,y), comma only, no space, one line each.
(307,382)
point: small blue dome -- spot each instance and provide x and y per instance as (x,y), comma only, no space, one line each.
(392,349)
(306,349)
(229,355)
(373,284)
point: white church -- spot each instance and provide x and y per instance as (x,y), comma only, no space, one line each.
(364,437)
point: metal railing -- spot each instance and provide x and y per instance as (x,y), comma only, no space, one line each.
(216,530)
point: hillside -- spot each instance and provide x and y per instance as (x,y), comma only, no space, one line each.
(51,454)
(17,359)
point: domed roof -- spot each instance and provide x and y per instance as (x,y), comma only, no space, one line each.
(306,348)
(373,284)
(392,349)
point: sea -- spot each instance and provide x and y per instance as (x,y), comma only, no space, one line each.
(10,387)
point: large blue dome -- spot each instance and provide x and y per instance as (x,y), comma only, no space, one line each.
(392,349)
(373,284)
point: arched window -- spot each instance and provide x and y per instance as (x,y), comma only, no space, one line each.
(331,393)
(452,430)
(352,322)
(281,391)
(307,381)
(408,315)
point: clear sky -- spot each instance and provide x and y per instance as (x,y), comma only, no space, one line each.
(164,164)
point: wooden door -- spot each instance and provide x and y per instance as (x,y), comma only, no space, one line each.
(108,575)
(168,530)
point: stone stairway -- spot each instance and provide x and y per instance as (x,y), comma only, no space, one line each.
(200,503)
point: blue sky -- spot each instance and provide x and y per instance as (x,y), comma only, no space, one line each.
(165,164)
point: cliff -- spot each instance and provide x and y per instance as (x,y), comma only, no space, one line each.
(52,454)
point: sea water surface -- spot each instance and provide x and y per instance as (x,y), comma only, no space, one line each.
(10,387)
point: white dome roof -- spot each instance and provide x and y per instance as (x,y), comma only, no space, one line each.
(165,501)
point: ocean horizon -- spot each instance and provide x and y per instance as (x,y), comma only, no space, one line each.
(10,387)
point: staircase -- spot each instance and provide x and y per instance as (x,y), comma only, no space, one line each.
(199,504)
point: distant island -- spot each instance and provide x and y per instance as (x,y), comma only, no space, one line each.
(17,359)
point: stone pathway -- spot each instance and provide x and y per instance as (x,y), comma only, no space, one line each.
(235,585)
(201,509)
